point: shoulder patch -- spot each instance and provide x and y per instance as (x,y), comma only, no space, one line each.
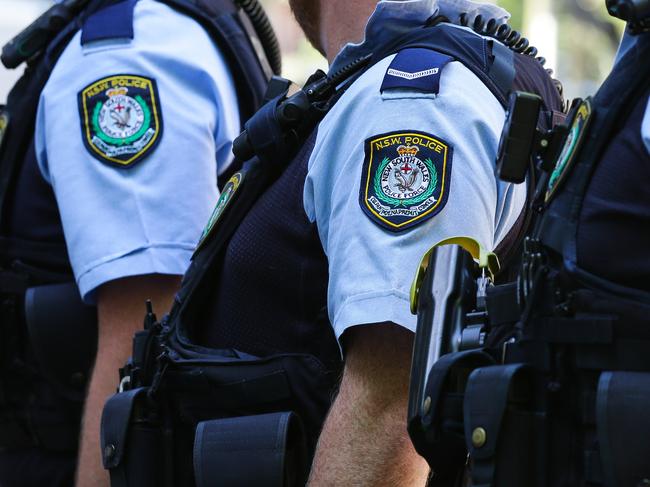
(121,119)
(416,69)
(225,198)
(406,178)
(572,145)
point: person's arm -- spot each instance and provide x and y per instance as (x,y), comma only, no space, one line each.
(120,308)
(350,193)
(364,441)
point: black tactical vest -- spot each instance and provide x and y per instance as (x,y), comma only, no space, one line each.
(268,292)
(562,400)
(597,218)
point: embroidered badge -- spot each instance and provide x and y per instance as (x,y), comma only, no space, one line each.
(223,202)
(572,145)
(4,124)
(121,118)
(416,69)
(406,177)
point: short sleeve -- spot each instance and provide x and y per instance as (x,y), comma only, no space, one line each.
(126,215)
(645,128)
(371,265)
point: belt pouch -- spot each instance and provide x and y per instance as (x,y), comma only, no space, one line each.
(437,434)
(132,447)
(501,431)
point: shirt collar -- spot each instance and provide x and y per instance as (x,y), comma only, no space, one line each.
(394,18)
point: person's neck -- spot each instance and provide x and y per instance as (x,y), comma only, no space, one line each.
(343,21)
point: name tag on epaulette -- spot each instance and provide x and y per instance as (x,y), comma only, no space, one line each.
(416,69)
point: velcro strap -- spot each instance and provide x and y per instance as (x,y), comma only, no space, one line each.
(267,450)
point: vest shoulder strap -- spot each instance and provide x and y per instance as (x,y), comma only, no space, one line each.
(231,30)
(227,25)
(628,80)
(502,71)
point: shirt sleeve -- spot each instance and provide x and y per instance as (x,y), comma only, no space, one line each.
(645,128)
(144,218)
(372,268)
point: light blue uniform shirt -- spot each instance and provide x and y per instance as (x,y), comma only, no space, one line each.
(371,269)
(144,219)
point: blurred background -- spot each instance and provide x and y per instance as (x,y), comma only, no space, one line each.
(577,37)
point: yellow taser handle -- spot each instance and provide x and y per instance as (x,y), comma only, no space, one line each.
(487,261)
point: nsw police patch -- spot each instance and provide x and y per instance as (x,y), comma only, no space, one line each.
(226,197)
(406,177)
(121,120)
(573,143)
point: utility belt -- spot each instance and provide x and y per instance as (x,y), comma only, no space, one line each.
(558,397)
(49,340)
(187,415)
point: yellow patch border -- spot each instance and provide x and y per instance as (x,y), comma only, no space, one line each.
(154,108)
(369,175)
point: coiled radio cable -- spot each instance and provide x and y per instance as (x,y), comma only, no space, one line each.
(264,29)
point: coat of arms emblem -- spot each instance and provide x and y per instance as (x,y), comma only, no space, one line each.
(406,179)
(121,119)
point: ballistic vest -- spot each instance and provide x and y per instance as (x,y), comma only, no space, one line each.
(267,292)
(32,245)
(561,399)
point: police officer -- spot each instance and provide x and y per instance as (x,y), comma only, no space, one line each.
(323,261)
(596,205)
(137,107)
(310,252)
(616,210)
(558,395)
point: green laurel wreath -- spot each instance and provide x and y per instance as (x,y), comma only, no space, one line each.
(113,141)
(412,201)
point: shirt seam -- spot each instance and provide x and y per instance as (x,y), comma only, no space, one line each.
(357,298)
(119,255)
